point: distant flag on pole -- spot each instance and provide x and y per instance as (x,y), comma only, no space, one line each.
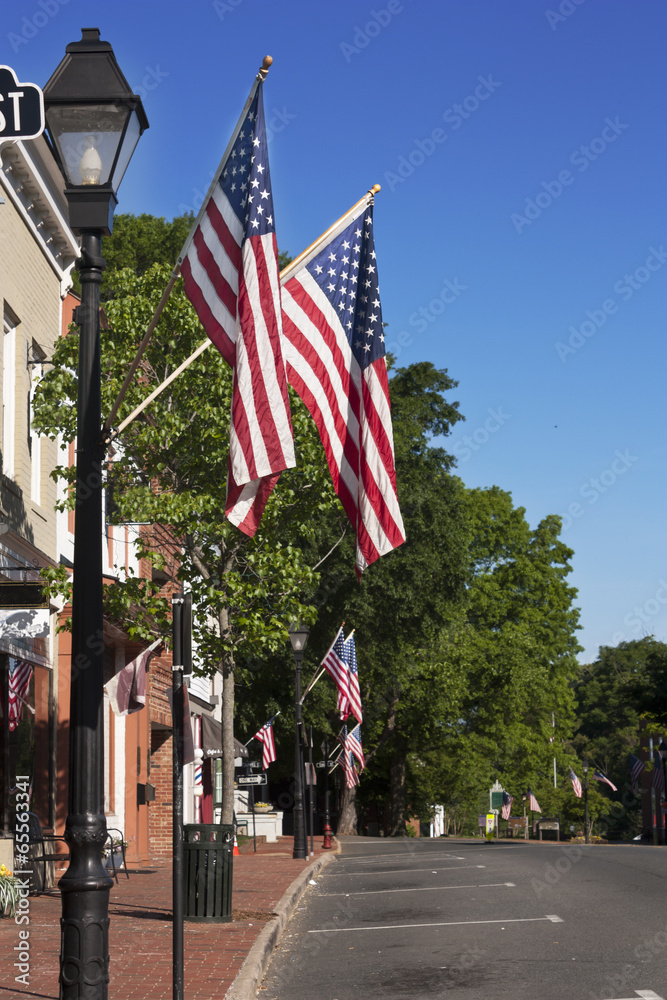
(265,736)
(230,269)
(335,356)
(636,768)
(576,784)
(533,803)
(353,744)
(20,675)
(506,810)
(599,776)
(347,761)
(341,663)
(127,688)
(658,781)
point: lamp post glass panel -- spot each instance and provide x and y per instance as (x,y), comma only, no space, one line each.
(94,122)
(298,634)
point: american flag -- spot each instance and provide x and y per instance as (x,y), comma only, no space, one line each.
(20,674)
(341,663)
(230,269)
(599,776)
(533,804)
(347,760)
(658,781)
(265,736)
(506,810)
(576,784)
(636,768)
(335,355)
(353,744)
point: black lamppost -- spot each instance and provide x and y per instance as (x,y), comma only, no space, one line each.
(662,750)
(298,634)
(94,122)
(525,819)
(584,767)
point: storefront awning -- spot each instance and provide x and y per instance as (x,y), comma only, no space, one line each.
(211,738)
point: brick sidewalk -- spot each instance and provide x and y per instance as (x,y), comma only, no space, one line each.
(140,934)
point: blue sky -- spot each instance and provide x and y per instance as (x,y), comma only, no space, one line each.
(521,230)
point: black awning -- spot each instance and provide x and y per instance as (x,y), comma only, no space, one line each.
(211,739)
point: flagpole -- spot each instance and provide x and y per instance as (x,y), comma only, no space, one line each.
(284,275)
(317,674)
(260,78)
(252,737)
(286,272)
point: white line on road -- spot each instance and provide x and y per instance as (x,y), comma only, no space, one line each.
(645,995)
(449,923)
(426,888)
(404,871)
(448,856)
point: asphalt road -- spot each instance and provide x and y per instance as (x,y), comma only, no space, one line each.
(466,920)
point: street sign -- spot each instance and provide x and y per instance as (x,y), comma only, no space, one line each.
(21,107)
(321,763)
(252,779)
(253,763)
(23,595)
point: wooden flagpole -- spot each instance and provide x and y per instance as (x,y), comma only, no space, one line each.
(284,275)
(252,737)
(108,423)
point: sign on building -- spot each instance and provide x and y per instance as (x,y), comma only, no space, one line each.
(21,108)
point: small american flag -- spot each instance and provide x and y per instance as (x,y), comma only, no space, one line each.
(576,784)
(658,781)
(265,736)
(506,810)
(533,804)
(353,744)
(636,768)
(20,675)
(335,355)
(230,270)
(599,776)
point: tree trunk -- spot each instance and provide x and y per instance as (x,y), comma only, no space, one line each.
(398,798)
(347,818)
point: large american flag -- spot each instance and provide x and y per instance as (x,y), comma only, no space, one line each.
(599,776)
(636,768)
(230,269)
(20,674)
(341,663)
(353,744)
(533,803)
(506,810)
(335,354)
(265,736)
(576,784)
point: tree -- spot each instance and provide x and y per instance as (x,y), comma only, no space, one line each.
(170,470)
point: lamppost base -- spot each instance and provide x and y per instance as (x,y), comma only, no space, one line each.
(326,843)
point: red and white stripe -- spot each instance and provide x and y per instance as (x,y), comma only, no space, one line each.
(20,674)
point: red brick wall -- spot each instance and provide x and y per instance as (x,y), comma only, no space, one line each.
(160,811)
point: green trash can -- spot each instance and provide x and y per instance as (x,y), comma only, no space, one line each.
(208,853)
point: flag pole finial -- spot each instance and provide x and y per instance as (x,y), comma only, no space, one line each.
(265,67)
(375,189)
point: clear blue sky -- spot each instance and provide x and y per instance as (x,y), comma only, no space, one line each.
(521,153)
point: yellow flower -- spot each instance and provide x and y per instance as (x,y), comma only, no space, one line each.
(5,871)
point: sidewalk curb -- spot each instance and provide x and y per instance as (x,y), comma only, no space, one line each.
(247,981)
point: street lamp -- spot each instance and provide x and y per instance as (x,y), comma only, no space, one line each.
(326,843)
(298,634)
(525,821)
(94,122)
(662,750)
(584,767)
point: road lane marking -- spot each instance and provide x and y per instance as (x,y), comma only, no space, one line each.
(448,856)
(448,923)
(426,888)
(645,995)
(404,871)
